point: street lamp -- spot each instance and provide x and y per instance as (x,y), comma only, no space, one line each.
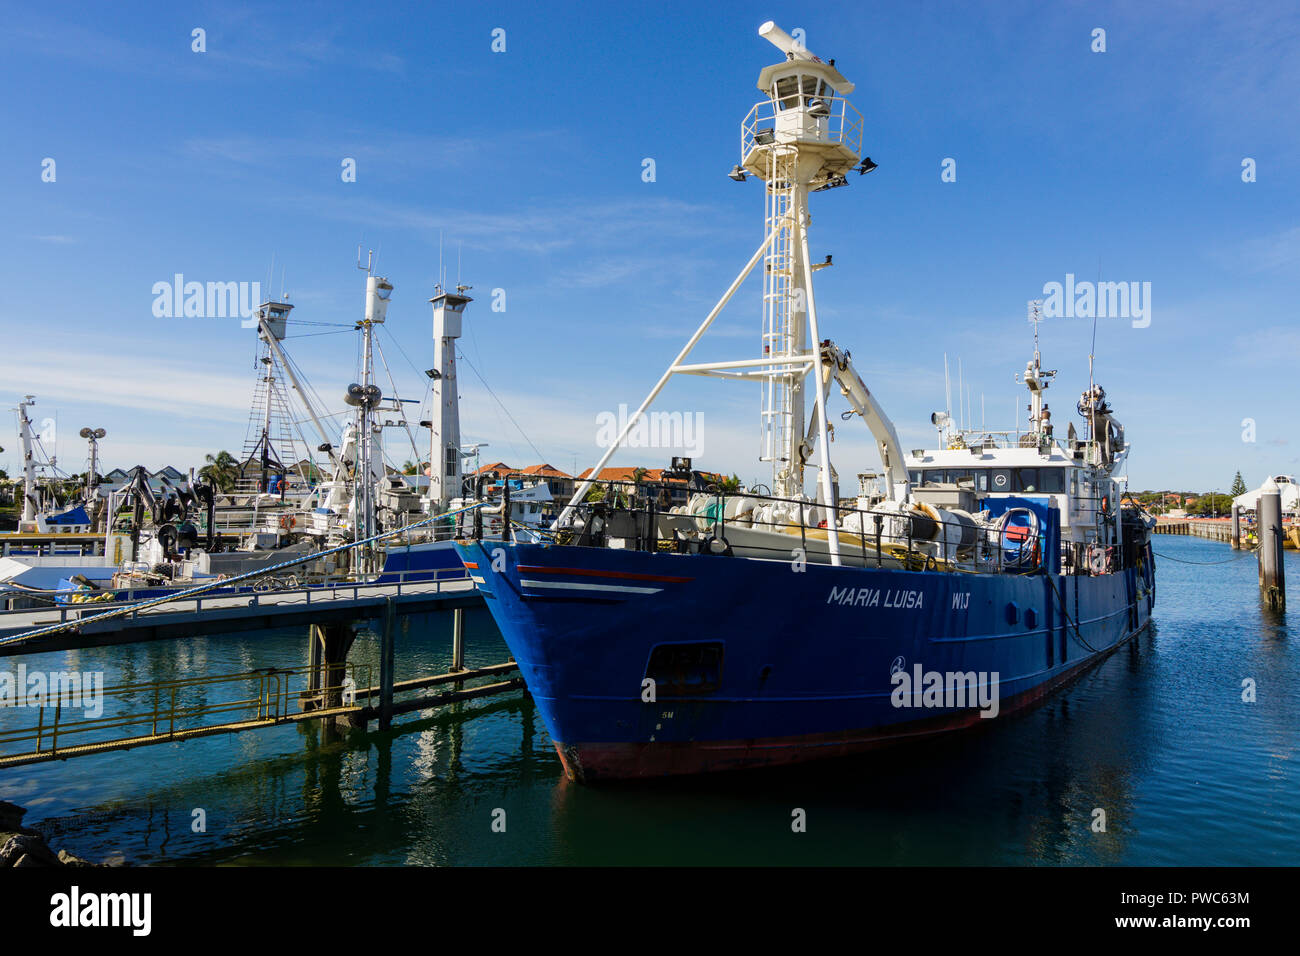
(92,435)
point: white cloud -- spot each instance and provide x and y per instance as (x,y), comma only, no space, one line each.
(125,381)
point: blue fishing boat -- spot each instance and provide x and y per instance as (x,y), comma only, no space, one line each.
(757,626)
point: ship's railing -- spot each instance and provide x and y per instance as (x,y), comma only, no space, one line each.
(768,122)
(966,438)
(914,540)
(52,546)
(910,540)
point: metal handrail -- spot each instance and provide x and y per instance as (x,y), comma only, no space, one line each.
(170,710)
(870,545)
(405,579)
(843,124)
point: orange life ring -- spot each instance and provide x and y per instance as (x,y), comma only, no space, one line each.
(286,522)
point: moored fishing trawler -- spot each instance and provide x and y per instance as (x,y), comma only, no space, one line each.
(290,500)
(768,626)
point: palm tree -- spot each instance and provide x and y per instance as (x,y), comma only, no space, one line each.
(221,469)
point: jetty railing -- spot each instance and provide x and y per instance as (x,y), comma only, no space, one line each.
(171,709)
(392,582)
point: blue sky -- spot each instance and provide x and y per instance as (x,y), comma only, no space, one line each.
(1123,165)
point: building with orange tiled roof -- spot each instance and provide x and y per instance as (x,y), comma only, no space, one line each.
(669,489)
(549,471)
(560,483)
(497,469)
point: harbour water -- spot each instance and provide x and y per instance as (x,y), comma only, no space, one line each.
(1158,736)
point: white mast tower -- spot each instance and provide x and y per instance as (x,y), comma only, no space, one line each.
(28,439)
(365,396)
(444,424)
(804,137)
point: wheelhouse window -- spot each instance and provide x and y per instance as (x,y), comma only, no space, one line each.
(1026,479)
(979,477)
(1040,481)
(787,92)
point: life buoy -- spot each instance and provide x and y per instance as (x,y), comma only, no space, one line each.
(286,522)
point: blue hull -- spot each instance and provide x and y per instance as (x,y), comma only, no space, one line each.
(755,664)
(420,562)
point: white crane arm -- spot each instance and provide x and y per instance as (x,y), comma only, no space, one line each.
(836,362)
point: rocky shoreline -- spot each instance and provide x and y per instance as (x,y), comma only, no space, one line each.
(23,846)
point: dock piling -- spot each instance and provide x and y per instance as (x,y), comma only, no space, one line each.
(1268,517)
(458,639)
(1236,528)
(328,661)
(386,669)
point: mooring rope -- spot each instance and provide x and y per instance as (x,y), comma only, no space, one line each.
(1246,553)
(1078,636)
(204,588)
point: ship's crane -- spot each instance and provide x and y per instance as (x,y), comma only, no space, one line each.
(838,364)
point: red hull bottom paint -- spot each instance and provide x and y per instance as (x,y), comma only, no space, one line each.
(592,762)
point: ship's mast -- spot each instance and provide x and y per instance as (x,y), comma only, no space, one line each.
(365,397)
(29,459)
(444,423)
(803,138)
(1037,379)
(270,442)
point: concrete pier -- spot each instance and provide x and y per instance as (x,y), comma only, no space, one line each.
(1215,529)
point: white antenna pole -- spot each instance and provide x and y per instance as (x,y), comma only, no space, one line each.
(947,387)
(961,405)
